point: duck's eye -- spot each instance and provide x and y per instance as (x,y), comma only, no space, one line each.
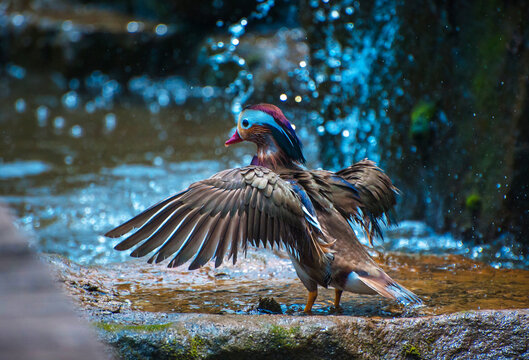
(245,123)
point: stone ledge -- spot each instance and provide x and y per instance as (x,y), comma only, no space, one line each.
(476,334)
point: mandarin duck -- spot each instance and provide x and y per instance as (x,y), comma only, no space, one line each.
(276,201)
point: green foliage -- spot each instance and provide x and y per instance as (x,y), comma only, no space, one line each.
(421,116)
(196,346)
(284,337)
(411,351)
(113,327)
(490,54)
(473,202)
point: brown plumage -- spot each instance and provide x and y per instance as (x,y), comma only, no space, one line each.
(275,202)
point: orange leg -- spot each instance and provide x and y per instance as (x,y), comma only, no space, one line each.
(310,301)
(337,297)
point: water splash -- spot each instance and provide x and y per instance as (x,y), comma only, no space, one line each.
(346,67)
(222,57)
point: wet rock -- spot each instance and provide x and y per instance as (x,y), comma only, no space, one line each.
(269,305)
(481,334)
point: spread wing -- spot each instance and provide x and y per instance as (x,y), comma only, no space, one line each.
(376,192)
(233,208)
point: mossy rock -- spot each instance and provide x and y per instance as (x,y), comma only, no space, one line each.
(411,352)
(490,334)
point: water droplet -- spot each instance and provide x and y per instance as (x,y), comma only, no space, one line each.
(18,20)
(332,127)
(154,108)
(345,133)
(283,97)
(110,88)
(157,161)
(58,122)
(70,100)
(163,98)
(76,131)
(110,122)
(235,41)
(219,23)
(67,25)
(74,84)
(335,14)
(133,26)
(90,107)
(320,15)
(20,105)
(302,63)
(42,115)
(298,99)
(18,72)
(207,91)
(160,29)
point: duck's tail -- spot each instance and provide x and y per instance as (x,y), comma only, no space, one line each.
(387,287)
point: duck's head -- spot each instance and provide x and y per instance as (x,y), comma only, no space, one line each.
(267,127)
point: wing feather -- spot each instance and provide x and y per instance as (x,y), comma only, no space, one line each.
(222,215)
(148,228)
(376,192)
(140,219)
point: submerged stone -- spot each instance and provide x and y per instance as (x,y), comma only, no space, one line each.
(269,305)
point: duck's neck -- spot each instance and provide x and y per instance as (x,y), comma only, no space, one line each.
(270,155)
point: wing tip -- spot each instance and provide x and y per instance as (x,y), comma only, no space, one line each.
(114,233)
(121,247)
